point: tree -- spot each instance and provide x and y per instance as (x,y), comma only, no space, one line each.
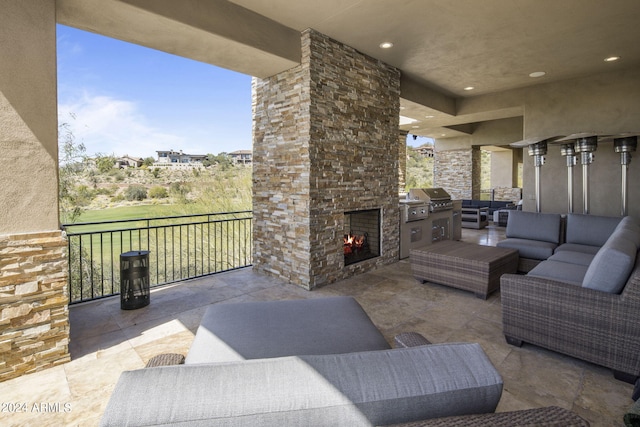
(72,162)
(105,163)
(223,161)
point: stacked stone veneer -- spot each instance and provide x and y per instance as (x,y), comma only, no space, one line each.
(458,172)
(507,194)
(325,142)
(34,321)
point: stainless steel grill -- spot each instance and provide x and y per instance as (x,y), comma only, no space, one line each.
(413,210)
(437,199)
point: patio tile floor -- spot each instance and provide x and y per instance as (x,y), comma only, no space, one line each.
(106,341)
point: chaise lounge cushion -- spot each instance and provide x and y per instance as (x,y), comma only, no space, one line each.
(261,329)
(612,265)
(366,388)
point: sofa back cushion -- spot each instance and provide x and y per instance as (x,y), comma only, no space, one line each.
(590,230)
(354,389)
(629,229)
(534,226)
(612,265)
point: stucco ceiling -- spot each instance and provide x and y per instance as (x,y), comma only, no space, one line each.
(440,46)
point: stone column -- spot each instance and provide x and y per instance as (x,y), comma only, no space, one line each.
(34,326)
(453,171)
(476,169)
(402,158)
(325,142)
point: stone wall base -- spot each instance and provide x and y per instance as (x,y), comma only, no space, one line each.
(34,314)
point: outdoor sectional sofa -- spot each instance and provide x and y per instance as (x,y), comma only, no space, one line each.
(315,362)
(584,299)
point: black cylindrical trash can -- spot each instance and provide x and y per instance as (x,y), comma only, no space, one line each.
(134,280)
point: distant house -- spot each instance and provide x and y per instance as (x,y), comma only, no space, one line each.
(127,161)
(425,150)
(179,158)
(244,157)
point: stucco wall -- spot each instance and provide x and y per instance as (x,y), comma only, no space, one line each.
(33,262)
(608,103)
(28,117)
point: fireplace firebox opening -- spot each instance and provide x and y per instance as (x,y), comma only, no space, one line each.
(361,236)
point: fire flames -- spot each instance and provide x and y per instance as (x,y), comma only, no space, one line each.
(353,243)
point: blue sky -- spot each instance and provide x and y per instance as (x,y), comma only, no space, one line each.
(121,98)
(128,99)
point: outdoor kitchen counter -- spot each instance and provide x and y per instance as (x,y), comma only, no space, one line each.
(462,265)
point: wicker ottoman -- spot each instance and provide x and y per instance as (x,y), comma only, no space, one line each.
(467,266)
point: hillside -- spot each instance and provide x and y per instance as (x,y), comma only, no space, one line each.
(188,190)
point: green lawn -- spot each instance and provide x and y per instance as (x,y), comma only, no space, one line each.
(129,212)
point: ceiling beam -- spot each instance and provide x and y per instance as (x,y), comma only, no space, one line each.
(415,91)
(216,32)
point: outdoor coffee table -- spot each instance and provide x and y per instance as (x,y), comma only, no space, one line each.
(462,265)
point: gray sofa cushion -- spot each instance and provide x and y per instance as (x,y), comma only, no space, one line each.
(534,226)
(560,271)
(256,330)
(611,266)
(368,388)
(571,257)
(590,230)
(533,249)
(629,229)
(574,247)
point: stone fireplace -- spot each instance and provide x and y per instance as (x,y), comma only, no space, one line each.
(325,137)
(361,236)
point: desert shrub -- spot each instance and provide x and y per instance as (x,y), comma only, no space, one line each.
(116,174)
(83,195)
(135,192)
(179,189)
(158,192)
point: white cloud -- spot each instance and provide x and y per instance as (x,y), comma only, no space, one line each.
(113,126)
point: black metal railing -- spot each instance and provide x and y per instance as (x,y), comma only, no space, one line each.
(181,247)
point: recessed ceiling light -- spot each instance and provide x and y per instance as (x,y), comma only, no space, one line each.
(415,127)
(429,117)
(386,45)
(537,74)
(611,58)
(469,88)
